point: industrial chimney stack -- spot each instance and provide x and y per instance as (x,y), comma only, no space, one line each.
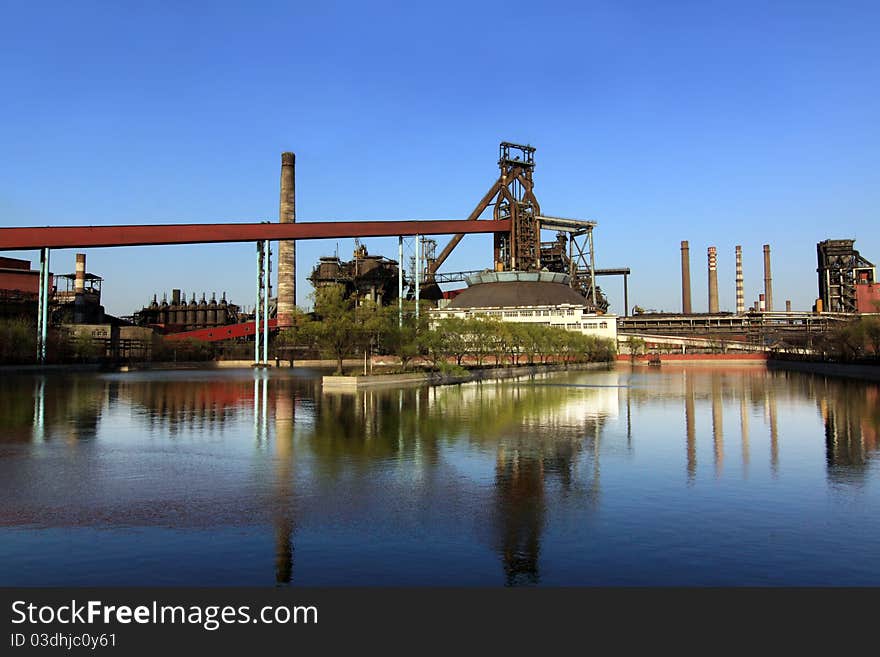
(79,283)
(768,285)
(287,248)
(740,295)
(79,289)
(685,278)
(713,280)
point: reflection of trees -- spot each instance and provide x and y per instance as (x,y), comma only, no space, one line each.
(851,412)
(60,406)
(537,432)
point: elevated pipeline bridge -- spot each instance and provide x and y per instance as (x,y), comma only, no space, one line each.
(46,238)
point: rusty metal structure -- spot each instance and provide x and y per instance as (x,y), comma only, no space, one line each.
(365,276)
(841,270)
(180,315)
(518,247)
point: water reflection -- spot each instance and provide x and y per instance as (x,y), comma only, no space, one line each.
(498,465)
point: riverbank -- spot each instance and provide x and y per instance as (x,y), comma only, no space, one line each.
(838,370)
(696,359)
(335,383)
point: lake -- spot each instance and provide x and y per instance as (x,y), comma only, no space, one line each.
(677,475)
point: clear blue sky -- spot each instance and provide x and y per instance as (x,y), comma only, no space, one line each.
(722,123)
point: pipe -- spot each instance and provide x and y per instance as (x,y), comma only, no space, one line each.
(287,248)
(713,279)
(266,274)
(417,273)
(257,304)
(400,281)
(740,294)
(685,278)
(768,284)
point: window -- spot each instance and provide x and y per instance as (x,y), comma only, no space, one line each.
(603,325)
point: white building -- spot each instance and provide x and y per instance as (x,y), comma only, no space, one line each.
(529,297)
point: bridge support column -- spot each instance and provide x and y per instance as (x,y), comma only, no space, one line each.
(43,306)
(261,307)
(400,281)
(418,272)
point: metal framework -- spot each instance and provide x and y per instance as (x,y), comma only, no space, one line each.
(840,269)
(516,243)
(519,247)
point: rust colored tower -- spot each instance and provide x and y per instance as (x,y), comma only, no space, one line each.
(287,248)
(685,278)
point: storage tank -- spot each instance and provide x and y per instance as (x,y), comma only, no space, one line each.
(202,313)
(190,312)
(223,311)
(212,310)
(163,310)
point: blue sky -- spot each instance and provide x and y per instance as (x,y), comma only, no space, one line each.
(722,123)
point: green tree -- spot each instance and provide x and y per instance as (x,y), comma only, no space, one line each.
(337,331)
(635,346)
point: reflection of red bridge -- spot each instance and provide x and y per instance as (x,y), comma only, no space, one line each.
(217,333)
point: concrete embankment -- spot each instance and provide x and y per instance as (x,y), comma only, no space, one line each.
(351,383)
(697,359)
(842,370)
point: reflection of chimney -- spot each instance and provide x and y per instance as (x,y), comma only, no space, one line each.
(690,427)
(713,280)
(79,285)
(768,287)
(685,278)
(287,248)
(740,296)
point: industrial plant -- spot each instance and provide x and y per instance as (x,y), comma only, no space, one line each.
(526,278)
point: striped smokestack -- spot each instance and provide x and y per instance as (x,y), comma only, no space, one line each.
(685,278)
(713,280)
(740,295)
(79,282)
(287,248)
(768,285)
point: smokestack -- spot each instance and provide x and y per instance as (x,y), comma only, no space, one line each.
(287,248)
(740,295)
(685,278)
(79,284)
(713,280)
(79,289)
(768,286)
(788,305)
(762,303)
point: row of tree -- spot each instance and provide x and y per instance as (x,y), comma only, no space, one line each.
(342,328)
(854,341)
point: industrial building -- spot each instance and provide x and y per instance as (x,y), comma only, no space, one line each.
(847,281)
(542,298)
(365,276)
(180,315)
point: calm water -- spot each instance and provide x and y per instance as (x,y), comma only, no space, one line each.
(655,476)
